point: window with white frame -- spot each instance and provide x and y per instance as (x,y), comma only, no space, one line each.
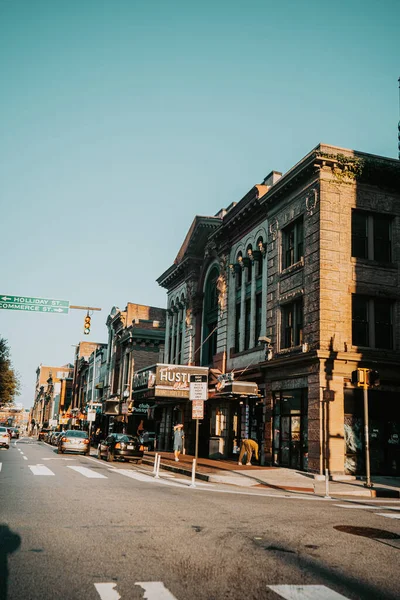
(292,243)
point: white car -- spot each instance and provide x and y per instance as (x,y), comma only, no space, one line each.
(4,438)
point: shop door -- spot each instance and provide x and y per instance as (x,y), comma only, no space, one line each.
(290,450)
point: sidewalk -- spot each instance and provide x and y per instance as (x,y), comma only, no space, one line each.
(274,478)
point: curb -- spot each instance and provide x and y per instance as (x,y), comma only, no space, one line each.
(179,470)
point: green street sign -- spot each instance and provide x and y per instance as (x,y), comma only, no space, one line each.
(26,303)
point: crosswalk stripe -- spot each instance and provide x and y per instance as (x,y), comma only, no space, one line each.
(356,506)
(155,590)
(88,472)
(106,591)
(306,592)
(134,475)
(40,470)
(389,515)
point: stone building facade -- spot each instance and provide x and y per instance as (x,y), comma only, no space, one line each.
(292,289)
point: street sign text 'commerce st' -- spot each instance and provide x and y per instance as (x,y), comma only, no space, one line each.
(26,303)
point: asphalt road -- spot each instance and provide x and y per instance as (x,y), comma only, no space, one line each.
(74,527)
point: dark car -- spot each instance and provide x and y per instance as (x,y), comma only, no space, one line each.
(54,437)
(121,445)
(42,434)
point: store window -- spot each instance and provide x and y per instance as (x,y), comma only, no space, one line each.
(372,322)
(292,243)
(371,236)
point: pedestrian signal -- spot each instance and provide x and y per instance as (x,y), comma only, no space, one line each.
(86,327)
(373,378)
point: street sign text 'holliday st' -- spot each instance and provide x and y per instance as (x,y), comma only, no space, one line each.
(26,303)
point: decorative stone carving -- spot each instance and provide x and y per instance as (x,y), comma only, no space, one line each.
(311,201)
(273,229)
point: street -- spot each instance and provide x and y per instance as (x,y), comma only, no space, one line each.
(74,527)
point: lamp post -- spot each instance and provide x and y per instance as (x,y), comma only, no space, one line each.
(92,396)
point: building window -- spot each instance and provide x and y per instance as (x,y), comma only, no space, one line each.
(249,263)
(237,327)
(210,322)
(372,322)
(292,324)
(371,236)
(239,270)
(292,243)
(247,323)
(258,317)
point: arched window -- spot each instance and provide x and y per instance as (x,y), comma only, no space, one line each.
(239,271)
(258,256)
(210,317)
(249,256)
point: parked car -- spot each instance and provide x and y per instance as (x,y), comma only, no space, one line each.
(73,440)
(121,445)
(4,438)
(54,437)
(48,435)
(42,433)
(15,433)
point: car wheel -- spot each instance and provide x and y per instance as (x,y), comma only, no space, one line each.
(110,456)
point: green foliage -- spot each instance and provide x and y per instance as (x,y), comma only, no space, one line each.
(9,380)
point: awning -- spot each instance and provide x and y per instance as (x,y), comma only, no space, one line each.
(238,389)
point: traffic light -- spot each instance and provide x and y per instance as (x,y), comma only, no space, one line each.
(373,378)
(86,327)
(365,377)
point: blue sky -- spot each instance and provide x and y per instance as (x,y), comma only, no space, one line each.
(121,120)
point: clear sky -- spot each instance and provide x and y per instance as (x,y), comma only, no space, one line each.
(122,119)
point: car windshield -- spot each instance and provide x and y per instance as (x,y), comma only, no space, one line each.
(76,433)
(122,437)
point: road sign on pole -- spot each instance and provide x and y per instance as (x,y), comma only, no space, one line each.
(198,409)
(198,387)
(27,303)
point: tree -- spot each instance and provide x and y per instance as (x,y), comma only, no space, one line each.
(9,380)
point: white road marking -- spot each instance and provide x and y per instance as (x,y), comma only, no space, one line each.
(106,591)
(356,506)
(58,458)
(147,478)
(88,472)
(25,458)
(1,464)
(155,590)
(96,460)
(389,515)
(22,453)
(306,592)
(40,470)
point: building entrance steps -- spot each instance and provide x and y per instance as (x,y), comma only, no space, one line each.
(278,478)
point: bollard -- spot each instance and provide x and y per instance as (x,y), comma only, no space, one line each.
(155,462)
(193,484)
(327,484)
(157,476)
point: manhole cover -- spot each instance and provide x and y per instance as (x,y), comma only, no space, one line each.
(368,532)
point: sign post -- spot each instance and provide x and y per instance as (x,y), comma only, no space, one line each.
(198,393)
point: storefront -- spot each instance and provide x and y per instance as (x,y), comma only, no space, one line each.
(162,391)
(290,428)
(234,412)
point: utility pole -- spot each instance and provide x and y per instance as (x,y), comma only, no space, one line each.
(366,378)
(91,399)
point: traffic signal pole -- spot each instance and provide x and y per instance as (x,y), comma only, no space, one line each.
(368,483)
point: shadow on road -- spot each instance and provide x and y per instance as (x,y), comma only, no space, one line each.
(9,543)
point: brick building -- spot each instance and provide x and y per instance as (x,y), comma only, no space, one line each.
(136,339)
(53,391)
